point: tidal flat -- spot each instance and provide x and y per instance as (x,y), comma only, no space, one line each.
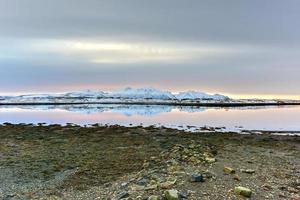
(116,162)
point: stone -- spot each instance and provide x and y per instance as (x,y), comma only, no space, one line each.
(125,184)
(248,171)
(183,195)
(237,177)
(137,187)
(208,157)
(171,194)
(197,178)
(122,195)
(210,160)
(243,191)
(167,184)
(142,182)
(151,187)
(292,190)
(295,197)
(228,170)
(153,197)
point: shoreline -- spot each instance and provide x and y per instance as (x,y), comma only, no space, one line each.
(187,129)
(117,162)
(229,104)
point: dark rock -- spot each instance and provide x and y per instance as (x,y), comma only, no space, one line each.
(197,178)
(142,182)
(183,195)
(122,195)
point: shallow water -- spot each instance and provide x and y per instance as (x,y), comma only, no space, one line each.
(281,118)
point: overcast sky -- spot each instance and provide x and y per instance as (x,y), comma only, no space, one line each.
(233,47)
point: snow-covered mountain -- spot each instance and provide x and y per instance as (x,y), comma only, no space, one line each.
(86,94)
(127,95)
(145,96)
(141,93)
(193,95)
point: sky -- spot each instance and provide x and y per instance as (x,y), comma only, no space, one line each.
(240,48)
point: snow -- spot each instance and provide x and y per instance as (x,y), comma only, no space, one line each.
(131,95)
(141,93)
(193,95)
(86,94)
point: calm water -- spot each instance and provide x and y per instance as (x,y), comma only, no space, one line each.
(258,118)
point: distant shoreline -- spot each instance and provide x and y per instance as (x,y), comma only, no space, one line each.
(218,104)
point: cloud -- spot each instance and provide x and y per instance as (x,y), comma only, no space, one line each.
(228,46)
(114,51)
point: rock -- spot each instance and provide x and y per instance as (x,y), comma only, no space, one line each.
(167,184)
(292,190)
(125,184)
(229,170)
(197,178)
(248,171)
(210,160)
(171,194)
(295,197)
(282,195)
(183,195)
(237,177)
(243,191)
(266,187)
(151,187)
(208,157)
(153,197)
(142,182)
(137,187)
(208,175)
(122,195)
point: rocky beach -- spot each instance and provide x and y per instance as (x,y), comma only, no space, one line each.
(115,162)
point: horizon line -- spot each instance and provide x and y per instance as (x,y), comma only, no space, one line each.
(231,95)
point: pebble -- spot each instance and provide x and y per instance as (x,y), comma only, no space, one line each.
(153,197)
(243,191)
(228,170)
(142,182)
(197,178)
(167,184)
(171,194)
(248,171)
(292,190)
(237,177)
(122,195)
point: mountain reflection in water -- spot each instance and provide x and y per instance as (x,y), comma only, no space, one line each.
(283,118)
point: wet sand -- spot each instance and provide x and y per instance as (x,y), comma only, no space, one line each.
(115,162)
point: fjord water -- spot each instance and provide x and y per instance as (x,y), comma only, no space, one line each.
(279,118)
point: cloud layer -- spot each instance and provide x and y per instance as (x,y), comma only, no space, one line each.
(238,47)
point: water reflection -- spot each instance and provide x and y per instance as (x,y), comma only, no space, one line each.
(259,118)
(129,110)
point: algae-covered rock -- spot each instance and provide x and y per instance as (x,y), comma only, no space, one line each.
(246,192)
(171,194)
(228,170)
(210,160)
(153,197)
